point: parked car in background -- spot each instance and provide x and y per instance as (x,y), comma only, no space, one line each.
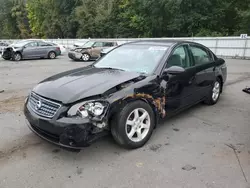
(3,45)
(29,49)
(63,48)
(125,93)
(106,50)
(90,51)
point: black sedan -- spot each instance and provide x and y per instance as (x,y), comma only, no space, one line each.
(125,92)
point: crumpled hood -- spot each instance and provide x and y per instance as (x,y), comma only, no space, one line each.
(79,49)
(74,85)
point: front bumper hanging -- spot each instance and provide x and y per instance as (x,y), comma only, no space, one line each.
(63,132)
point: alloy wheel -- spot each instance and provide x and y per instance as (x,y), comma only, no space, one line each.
(216,91)
(137,125)
(85,57)
(17,57)
(52,55)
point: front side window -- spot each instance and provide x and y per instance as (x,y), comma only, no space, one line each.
(201,56)
(133,58)
(179,58)
(88,44)
(31,44)
(98,44)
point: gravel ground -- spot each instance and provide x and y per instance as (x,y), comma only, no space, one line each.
(205,146)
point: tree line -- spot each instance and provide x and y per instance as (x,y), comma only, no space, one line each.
(122,18)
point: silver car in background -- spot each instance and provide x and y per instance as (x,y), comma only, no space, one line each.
(28,49)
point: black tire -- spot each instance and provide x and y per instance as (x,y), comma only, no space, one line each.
(85,57)
(17,56)
(118,125)
(210,100)
(7,55)
(6,58)
(52,55)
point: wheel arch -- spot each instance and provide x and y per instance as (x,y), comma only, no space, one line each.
(50,52)
(17,52)
(221,81)
(124,102)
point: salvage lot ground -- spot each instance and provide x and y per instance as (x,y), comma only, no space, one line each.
(200,137)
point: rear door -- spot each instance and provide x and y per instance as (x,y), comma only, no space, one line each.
(42,49)
(205,69)
(30,50)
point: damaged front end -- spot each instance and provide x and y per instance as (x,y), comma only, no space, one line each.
(75,127)
(76,54)
(7,53)
(95,111)
(92,123)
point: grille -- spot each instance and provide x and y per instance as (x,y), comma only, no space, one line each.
(43,107)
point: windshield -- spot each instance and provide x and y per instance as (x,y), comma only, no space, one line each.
(20,43)
(88,44)
(134,58)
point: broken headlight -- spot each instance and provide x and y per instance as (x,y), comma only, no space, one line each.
(88,109)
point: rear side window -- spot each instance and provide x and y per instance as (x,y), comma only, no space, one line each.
(108,44)
(44,44)
(201,55)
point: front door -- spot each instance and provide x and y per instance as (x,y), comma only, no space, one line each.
(30,50)
(180,87)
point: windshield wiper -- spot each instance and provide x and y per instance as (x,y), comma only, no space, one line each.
(110,68)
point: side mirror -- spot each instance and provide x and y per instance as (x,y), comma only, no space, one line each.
(174,70)
(219,61)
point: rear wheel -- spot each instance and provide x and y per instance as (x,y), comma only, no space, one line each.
(17,56)
(215,92)
(133,126)
(85,57)
(52,55)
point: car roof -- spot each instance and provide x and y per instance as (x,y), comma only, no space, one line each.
(102,41)
(163,42)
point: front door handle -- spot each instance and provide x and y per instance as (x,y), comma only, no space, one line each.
(192,80)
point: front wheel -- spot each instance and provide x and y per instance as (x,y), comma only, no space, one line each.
(85,57)
(17,57)
(215,92)
(133,126)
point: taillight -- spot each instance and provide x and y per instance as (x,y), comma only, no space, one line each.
(57,48)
